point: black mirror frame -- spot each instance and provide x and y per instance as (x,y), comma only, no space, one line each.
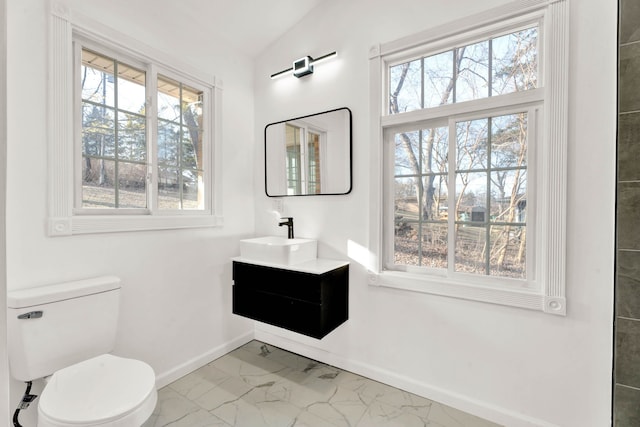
(350,155)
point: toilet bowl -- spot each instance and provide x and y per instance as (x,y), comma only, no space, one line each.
(65,333)
(105,391)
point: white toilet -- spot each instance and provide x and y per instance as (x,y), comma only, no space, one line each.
(66,331)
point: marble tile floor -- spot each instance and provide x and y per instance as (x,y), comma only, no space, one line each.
(262,385)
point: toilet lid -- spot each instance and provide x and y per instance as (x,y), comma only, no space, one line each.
(100,389)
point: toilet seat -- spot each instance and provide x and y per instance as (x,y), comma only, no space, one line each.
(106,390)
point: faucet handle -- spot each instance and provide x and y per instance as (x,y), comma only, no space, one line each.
(288,221)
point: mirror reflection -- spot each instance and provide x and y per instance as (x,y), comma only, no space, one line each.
(309,155)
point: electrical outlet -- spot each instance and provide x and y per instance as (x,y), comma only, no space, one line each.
(278,206)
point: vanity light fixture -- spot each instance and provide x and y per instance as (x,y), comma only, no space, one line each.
(304,66)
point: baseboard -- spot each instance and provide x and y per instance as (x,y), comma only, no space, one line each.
(456,400)
(191,365)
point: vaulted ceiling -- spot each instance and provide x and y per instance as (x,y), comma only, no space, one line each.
(249,25)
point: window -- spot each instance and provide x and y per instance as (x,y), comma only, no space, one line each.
(485,211)
(496,66)
(114,142)
(117,153)
(304,145)
(473,139)
(180,146)
(140,130)
(294,171)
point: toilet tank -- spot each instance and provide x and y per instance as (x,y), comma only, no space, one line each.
(55,326)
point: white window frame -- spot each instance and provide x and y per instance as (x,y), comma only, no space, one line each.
(544,289)
(64,158)
(305,129)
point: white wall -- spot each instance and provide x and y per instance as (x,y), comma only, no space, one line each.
(4,373)
(514,366)
(176,309)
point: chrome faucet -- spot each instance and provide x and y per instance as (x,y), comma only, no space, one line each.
(289,224)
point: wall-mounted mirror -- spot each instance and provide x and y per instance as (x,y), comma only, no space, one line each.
(309,155)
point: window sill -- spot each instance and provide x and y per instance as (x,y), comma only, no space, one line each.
(90,224)
(522,298)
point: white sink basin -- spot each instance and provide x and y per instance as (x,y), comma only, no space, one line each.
(279,250)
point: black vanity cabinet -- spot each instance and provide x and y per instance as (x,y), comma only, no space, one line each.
(312,304)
